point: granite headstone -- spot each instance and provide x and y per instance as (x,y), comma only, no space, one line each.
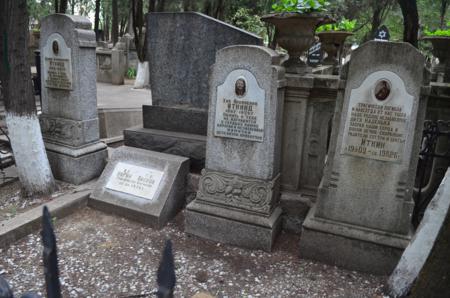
(69,120)
(237,200)
(142,185)
(362,217)
(181,48)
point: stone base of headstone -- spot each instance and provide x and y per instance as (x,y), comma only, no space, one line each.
(77,165)
(155,211)
(180,131)
(188,145)
(234,219)
(350,246)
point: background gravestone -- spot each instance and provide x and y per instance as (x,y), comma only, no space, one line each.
(315,55)
(142,185)
(237,201)
(181,48)
(362,217)
(382,34)
(69,120)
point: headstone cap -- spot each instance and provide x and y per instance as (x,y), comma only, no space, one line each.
(79,22)
(199,14)
(275,56)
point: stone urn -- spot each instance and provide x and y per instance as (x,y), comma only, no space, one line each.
(332,43)
(441,50)
(295,33)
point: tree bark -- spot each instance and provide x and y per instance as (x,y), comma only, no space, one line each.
(443,11)
(24,130)
(151,5)
(115,23)
(56,6)
(138,26)
(62,6)
(187,5)
(410,21)
(161,5)
(97,19)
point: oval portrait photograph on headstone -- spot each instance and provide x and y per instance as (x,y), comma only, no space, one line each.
(382,90)
(240,87)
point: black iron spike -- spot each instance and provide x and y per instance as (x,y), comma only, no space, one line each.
(50,257)
(5,290)
(166,278)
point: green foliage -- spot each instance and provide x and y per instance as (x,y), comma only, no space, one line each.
(244,19)
(437,32)
(342,25)
(300,6)
(131,73)
(38,10)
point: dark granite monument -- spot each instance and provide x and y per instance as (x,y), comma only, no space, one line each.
(181,49)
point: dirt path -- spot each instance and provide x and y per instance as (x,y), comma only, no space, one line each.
(107,256)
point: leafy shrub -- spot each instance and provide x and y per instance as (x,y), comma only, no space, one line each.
(343,25)
(300,6)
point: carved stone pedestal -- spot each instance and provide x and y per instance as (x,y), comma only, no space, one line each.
(236,210)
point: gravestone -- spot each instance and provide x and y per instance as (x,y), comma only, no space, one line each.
(362,217)
(181,48)
(237,200)
(69,120)
(382,34)
(142,185)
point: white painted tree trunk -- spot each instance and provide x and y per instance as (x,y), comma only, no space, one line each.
(29,153)
(142,76)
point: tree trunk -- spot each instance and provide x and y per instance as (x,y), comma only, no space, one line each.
(138,26)
(115,23)
(161,5)
(410,21)
(72,5)
(62,6)
(151,5)
(379,12)
(56,6)
(97,18)
(443,10)
(187,5)
(21,118)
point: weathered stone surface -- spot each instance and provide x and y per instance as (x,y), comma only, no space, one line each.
(189,145)
(308,112)
(181,48)
(76,166)
(104,65)
(247,158)
(188,120)
(424,265)
(237,198)
(155,210)
(69,100)
(366,193)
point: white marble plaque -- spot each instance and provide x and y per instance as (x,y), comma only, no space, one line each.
(240,107)
(57,68)
(138,181)
(378,118)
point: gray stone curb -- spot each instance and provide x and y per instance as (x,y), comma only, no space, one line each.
(30,221)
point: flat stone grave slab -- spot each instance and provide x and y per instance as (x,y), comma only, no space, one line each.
(142,185)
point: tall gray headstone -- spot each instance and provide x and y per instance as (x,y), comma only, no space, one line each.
(181,48)
(237,200)
(362,217)
(69,120)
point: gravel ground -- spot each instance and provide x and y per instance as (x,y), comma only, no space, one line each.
(13,201)
(106,256)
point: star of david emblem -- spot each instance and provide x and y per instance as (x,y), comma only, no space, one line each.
(382,34)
